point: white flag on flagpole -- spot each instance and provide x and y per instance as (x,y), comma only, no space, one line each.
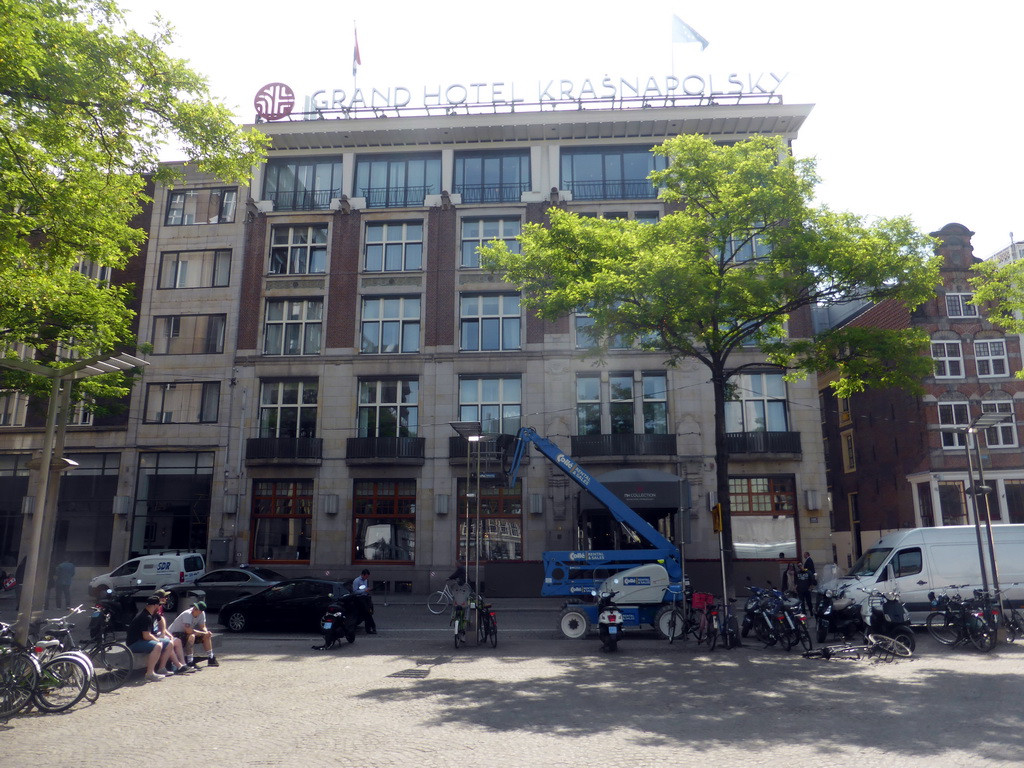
(684,33)
(356,61)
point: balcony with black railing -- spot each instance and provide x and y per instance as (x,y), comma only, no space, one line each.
(395,197)
(627,189)
(386,450)
(738,443)
(303,200)
(492,193)
(284,450)
(623,445)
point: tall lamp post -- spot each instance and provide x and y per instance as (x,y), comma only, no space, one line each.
(51,463)
(472,431)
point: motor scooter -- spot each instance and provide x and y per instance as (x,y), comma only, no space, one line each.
(888,616)
(609,621)
(338,621)
(837,614)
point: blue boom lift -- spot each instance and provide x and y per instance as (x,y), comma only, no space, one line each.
(641,577)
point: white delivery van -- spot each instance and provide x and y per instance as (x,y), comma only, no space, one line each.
(150,572)
(917,561)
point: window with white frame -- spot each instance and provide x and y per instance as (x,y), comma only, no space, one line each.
(298,250)
(758,404)
(1002,435)
(478,232)
(949,359)
(195,269)
(79,414)
(188,334)
(91,269)
(494,401)
(390,325)
(389,408)
(293,327)
(288,408)
(489,322)
(957,305)
(990,357)
(182,402)
(588,404)
(954,415)
(201,206)
(393,246)
(619,404)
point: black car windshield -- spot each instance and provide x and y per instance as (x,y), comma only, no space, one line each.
(869,562)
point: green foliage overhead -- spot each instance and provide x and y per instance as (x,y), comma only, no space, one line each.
(85,107)
(1000,288)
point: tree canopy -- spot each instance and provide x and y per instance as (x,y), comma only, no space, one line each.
(726,272)
(86,105)
(1000,287)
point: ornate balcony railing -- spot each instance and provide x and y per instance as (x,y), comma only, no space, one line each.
(319,200)
(395,197)
(623,445)
(763,442)
(630,189)
(301,449)
(492,193)
(384,448)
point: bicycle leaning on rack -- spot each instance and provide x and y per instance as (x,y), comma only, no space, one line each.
(112,660)
(42,675)
(877,647)
(486,622)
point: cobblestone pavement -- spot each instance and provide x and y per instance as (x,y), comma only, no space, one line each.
(407,698)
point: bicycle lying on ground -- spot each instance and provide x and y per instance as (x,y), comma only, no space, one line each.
(877,647)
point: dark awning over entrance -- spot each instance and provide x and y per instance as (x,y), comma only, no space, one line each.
(640,489)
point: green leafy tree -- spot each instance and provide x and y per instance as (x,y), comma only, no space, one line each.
(1000,288)
(86,105)
(728,270)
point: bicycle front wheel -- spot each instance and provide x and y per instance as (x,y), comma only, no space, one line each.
(114,664)
(983,637)
(19,675)
(63,682)
(943,628)
(439,602)
(492,632)
(887,648)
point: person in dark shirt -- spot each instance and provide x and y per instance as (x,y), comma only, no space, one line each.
(143,637)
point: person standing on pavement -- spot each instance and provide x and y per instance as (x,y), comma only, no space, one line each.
(361,588)
(809,566)
(63,575)
(189,626)
(804,584)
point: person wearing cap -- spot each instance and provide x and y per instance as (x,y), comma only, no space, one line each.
(189,626)
(177,663)
(143,637)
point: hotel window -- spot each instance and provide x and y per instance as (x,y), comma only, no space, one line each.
(384,521)
(949,359)
(13,407)
(740,248)
(953,415)
(288,408)
(182,402)
(501,521)
(394,247)
(80,414)
(492,177)
(611,173)
(93,271)
(389,408)
(398,181)
(758,404)
(990,357)
(489,322)
(478,232)
(298,250)
(201,206)
(293,327)
(763,517)
(587,338)
(188,334)
(390,325)
(496,402)
(620,404)
(957,306)
(302,185)
(1002,435)
(282,521)
(195,269)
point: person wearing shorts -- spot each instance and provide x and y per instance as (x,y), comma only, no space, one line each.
(143,637)
(189,626)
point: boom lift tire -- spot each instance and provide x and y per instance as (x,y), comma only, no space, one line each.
(573,623)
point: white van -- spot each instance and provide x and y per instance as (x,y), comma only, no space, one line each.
(150,572)
(917,561)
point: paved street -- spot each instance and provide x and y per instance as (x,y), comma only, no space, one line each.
(407,698)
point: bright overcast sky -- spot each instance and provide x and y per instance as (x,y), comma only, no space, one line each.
(916,110)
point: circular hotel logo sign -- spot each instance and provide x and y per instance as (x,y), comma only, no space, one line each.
(274,101)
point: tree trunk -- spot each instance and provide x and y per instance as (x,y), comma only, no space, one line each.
(718,381)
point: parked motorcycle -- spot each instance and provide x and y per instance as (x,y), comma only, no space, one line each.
(609,621)
(886,615)
(338,621)
(114,611)
(837,614)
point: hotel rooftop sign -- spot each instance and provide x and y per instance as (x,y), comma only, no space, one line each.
(277,101)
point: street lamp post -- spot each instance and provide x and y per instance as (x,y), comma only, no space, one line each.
(472,431)
(51,463)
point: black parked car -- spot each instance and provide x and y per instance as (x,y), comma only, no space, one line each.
(224,585)
(292,604)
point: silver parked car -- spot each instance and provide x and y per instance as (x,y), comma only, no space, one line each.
(224,585)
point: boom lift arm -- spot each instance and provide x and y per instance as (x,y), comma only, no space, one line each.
(578,572)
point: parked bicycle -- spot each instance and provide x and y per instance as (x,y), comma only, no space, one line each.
(53,683)
(112,660)
(459,623)
(958,621)
(671,620)
(1013,620)
(878,647)
(441,600)
(486,623)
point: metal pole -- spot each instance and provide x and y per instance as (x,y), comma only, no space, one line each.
(988,525)
(27,606)
(476,577)
(974,499)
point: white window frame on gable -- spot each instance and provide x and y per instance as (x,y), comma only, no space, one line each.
(954,413)
(948,357)
(990,357)
(957,305)
(1002,435)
